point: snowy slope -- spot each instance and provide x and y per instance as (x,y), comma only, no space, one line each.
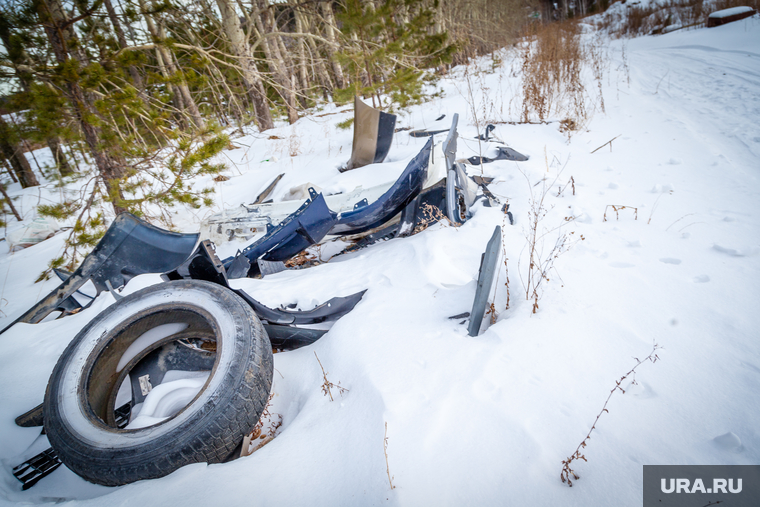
(488,420)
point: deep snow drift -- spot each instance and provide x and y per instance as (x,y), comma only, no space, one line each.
(488,420)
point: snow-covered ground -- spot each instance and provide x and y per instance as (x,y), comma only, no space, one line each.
(488,420)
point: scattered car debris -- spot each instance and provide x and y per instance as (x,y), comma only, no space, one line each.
(306,226)
(130,247)
(144,421)
(504,153)
(31,471)
(486,136)
(39,230)
(366,216)
(426,133)
(268,190)
(355,212)
(488,263)
(373,133)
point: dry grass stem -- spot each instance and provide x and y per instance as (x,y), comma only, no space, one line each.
(264,431)
(385,451)
(541,261)
(571,183)
(617,208)
(605,144)
(328,386)
(430,215)
(553,61)
(567,471)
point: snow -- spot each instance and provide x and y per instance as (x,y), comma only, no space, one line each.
(488,420)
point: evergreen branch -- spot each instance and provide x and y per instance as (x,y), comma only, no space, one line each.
(95,6)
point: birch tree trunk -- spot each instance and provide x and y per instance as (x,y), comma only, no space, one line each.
(315,57)
(330,25)
(275,59)
(251,76)
(303,71)
(8,200)
(7,168)
(167,59)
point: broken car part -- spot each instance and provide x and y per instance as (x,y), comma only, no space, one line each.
(280,324)
(408,221)
(424,171)
(456,211)
(426,133)
(373,133)
(31,471)
(196,416)
(506,211)
(205,265)
(265,193)
(306,227)
(248,221)
(504,153)
(291,338)
(313,219)
(488,262)
(367,216)
(130,247)
(330,310)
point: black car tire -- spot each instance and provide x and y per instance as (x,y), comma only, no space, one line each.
(80,397)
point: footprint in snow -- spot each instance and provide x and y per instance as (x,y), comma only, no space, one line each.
(729,442)
(671,260)
(737,252)
(750,367)
(701,279)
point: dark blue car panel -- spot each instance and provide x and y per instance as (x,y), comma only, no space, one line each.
(406,188)
(305,227)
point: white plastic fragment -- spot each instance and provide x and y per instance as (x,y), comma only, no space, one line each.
(39,230)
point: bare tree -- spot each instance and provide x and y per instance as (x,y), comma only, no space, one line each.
(267,31)
(15,156)
(251,76)
(168,66)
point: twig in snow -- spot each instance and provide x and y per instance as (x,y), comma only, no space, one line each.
(605,144)
(618,207)
(566,470)
(385,451)
(327,385)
